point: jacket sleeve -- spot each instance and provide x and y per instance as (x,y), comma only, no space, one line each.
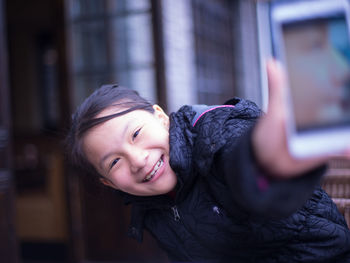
(257,192)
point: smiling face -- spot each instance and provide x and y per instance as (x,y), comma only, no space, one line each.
(131,152)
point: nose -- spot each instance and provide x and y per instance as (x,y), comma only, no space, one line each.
(138,158)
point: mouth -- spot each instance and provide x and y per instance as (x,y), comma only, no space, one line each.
(154,171)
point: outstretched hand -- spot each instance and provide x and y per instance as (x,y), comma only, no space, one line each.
(269,136)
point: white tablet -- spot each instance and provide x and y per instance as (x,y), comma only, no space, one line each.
(311,39)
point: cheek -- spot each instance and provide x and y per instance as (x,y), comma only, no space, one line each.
(121,179)
(164,136)
(158,137)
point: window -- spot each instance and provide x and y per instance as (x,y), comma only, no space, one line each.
(214,50)
(111,42)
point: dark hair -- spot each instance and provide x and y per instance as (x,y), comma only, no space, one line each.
(85,118)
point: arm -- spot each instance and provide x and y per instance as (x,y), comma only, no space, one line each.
(269,141)
(261,174)
(258,192)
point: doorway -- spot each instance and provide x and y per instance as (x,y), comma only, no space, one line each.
(57,217)
(35,40)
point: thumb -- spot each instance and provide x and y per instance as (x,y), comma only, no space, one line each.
(276,83)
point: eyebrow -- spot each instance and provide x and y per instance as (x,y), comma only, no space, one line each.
(106,156)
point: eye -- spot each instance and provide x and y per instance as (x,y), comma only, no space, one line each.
(114,162)
(136,134)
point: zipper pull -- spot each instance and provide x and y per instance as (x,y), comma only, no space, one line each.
(176,213)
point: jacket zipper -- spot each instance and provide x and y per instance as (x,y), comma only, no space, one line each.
(176,213)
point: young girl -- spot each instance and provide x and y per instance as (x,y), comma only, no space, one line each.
(211,184)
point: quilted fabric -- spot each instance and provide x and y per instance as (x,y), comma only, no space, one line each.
(220,214)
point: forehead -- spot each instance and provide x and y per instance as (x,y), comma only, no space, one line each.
(99,138)
(121,122)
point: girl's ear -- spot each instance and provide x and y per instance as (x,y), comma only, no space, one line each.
(108,183)
(161,115)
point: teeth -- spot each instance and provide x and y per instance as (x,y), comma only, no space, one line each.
(155,169)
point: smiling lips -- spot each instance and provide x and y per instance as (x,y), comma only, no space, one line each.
(154,171)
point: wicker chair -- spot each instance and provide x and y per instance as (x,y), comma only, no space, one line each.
(337,184)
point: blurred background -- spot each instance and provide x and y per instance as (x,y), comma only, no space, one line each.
(53,53)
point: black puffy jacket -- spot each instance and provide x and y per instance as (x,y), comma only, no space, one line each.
(226,210)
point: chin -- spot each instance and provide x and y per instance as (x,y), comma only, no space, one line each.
(167,188)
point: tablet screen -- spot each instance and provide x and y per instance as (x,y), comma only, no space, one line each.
(317,54)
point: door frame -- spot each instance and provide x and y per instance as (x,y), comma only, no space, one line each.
(8,239)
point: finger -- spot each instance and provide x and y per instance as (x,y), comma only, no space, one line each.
(276,83)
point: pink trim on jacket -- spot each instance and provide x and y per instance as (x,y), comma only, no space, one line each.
(222,106)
